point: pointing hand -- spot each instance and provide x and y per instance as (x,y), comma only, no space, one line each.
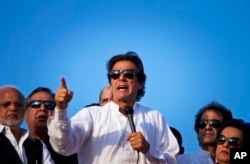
(63,95)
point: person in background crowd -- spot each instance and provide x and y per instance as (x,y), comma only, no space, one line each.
(105,95)
(17,146)
(102,134)
(40,106)
(232,134)
(178,136)
(207,122)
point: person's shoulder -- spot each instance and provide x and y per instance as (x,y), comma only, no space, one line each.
(188,155)
(24,133)
(144,108)
(89,110)
(194,158)
(97,108)
(183,158)
(147,111)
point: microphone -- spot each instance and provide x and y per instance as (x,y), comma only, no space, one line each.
(129,112)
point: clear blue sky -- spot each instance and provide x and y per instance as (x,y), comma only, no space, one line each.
(193,51)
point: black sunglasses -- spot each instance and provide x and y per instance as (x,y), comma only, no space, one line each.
(128,73)
(233,142)
(50,105)
(214,123)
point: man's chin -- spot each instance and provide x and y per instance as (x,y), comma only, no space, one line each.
(123,99)
(41,125)
(209,142)
(13,123)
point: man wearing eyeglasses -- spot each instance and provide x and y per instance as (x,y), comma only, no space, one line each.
(16,144)
(39,106)
(207,122)
(102,134)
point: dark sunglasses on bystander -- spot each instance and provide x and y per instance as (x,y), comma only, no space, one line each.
(50,105)
(128,73)
(233,142)
(213,122)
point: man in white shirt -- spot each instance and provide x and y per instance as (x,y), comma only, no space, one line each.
(17,146)
(102,134)
(207,122)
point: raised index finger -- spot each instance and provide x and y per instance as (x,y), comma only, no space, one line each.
(63,83)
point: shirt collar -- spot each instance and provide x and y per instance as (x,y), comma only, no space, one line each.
(24,132)
(1,128)
(115,107)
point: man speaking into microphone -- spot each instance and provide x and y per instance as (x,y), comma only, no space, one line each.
(103,134)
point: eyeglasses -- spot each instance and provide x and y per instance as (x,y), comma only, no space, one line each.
(214,123)
(128,73)
(233,142)
(50,105)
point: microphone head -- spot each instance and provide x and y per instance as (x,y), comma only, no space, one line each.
(128,110)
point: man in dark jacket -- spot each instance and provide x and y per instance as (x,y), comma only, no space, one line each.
(40,105)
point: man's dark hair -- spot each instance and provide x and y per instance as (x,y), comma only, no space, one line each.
(133,57)
(178,137)
(39,89)
(216,107)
